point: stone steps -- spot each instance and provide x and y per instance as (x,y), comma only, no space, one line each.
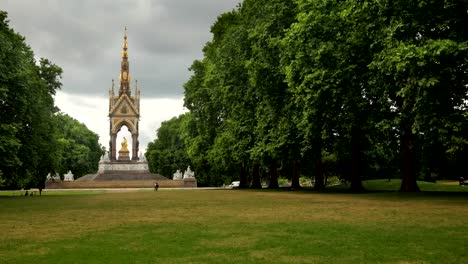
(86,178)
(120,184)
(129,177)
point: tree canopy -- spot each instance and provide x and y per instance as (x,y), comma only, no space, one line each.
(32,134)
(78,147)
(351,88)
(167,153)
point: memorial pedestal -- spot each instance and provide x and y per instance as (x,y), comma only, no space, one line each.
(124,155)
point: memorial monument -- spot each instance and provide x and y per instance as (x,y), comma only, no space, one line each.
(123,168)
(124,110)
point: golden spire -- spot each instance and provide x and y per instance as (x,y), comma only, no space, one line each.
(125,45)
(125,69)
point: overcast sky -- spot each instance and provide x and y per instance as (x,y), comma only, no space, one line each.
(85,39)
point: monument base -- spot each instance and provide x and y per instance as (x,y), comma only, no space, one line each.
(123,174)
(126,171)
(124,155)
(119,184)
(123,166)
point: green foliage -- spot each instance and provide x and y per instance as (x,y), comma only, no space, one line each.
(167,153)
(34,140)
(357,89)
(234,92)
(2,181)
(78,147)
(421,72)
(282,181)
(27,142)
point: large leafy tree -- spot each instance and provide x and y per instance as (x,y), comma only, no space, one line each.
(221,103)
(200,127)
(27,142)
(241,83)
(356,67)
(275,131)
(36,140)
(326,80)
(349,87)
(422,73)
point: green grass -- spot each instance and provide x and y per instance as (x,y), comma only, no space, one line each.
(53,192)
(233,226)
(394,185)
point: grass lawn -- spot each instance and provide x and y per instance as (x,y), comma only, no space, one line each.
(394,185)
(234,226)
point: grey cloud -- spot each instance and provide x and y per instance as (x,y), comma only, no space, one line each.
(85,39)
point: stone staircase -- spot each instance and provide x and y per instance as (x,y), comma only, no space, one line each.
(129,177)
(86,178)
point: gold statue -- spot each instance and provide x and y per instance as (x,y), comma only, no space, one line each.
(124,145)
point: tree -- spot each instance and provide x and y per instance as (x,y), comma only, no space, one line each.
(167,153)
(78,147)
(199,129)
(422,73)
(220,102)
(345,87)
(27,143)
(275,132)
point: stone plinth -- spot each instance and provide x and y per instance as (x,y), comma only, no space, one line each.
(124,155)
(125,171)
(119,166)
(190,182)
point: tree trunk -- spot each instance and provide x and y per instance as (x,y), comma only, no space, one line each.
(319,179)
(256,184)
(356,164)
(408,181)
(273,176)
(243,177)
(295,184)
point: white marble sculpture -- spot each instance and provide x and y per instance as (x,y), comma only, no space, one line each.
(55,178)
(177,175)
(105,157)
(188,173)
(68,176)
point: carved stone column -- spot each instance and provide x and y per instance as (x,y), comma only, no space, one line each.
(135,147)
(113,146)
(109,154)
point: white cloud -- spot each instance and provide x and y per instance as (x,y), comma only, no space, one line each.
(93,112)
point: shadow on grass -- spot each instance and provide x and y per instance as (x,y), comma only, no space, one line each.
(384,187)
